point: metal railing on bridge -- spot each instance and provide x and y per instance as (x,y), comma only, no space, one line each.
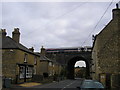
(74,49)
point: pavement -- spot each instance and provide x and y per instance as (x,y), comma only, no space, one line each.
(61,85)
(29,84)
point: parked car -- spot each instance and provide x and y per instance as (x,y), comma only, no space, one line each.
(91,84)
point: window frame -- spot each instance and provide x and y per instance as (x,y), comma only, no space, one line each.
(21,72)
(25,58)
(29,72)
(35,60)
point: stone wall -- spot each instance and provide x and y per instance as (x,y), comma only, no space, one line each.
(10,60)
(8,63)
(43,67)
(106,51)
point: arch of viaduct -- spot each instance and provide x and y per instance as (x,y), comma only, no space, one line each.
(69,59)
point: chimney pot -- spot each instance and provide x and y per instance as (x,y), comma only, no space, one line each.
(116,12)
(117,6)
(3,33)
(16,35)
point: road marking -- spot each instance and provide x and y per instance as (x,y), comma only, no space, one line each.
(68,85)
(54,83)
(63,88)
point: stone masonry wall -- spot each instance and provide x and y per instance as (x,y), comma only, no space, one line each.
(106,51)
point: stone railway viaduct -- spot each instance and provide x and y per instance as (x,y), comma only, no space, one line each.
(69,56)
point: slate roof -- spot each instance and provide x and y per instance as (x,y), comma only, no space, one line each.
(9,43)
(44,58)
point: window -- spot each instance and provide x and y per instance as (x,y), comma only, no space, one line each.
(22,71)
(34,70)
(53,72)
(90,50)
(29,71)
(25,58)
(50,63)
(35,60)
(85,49)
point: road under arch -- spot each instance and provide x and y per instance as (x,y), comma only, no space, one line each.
(70,67)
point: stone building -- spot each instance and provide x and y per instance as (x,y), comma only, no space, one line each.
(48,66)
(18,62)
(106,53)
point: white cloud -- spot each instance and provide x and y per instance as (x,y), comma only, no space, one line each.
(57,0)
(54,24)
(80,64)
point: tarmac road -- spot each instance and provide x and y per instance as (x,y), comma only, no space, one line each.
(61,85)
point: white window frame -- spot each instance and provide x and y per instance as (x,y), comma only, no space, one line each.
(22,71)
(35,71)
(25,58)
(53,65)
(29,72)
(35,60)
(50,63)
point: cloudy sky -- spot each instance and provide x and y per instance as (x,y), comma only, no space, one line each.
(80,63)
(56,24)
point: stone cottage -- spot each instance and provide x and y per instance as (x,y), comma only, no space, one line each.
(18,62)
(48,66)
(106,53)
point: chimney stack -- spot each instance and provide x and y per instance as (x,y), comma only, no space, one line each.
(116,12)
(3,33)
(43,51)
(16,35)
(31,49)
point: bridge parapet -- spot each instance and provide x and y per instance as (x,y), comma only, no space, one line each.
(63,50)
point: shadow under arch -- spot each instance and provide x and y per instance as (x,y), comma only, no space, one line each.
(70,67)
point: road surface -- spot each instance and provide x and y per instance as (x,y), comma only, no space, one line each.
(61,85)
